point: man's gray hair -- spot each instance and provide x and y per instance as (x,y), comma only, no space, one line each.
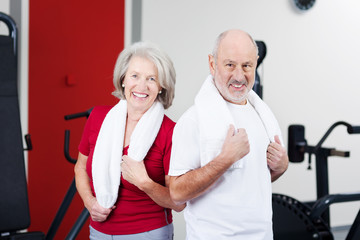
(221,37)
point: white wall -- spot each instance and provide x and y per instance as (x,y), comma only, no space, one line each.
(5,8)
(23,69)
(310,74)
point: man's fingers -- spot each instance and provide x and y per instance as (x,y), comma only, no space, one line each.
(231,131)
(277,139)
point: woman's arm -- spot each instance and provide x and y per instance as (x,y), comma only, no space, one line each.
(135,173)
(98,213)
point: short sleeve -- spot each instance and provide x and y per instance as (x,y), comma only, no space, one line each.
(167,151)
(84,146)
(185,151)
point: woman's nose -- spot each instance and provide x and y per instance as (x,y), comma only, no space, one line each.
(142,83)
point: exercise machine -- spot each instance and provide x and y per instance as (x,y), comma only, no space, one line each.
(295,220)
(70,193)
(72,189)
(262,54)
(14,207)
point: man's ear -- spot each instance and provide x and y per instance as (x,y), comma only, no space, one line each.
(212,64)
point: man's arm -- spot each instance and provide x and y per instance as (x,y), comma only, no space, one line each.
(193,183)
(277,159)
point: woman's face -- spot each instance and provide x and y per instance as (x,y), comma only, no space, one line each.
(141,84)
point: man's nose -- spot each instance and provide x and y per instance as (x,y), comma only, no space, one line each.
(239,73)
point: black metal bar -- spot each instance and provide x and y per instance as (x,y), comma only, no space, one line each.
(61,211)
(78,115)
(322,174)
(71,191)
(322,178)
(78,225)
(66,147)
(354,232)
(10,23)
(329,131)
(323,203)
(339,153)
(353,129)
(28,142)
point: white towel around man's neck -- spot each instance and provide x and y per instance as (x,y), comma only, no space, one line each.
(215,119)
(107,156)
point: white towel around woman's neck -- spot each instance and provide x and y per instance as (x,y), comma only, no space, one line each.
(215,119)
(107,156)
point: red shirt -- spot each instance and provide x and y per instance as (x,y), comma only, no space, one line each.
(135,211)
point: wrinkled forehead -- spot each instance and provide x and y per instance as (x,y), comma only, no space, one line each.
(237,48)
(142,64)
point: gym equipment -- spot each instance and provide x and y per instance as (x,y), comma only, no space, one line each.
(14,207)
(262,53)
(71,191)
(295,220)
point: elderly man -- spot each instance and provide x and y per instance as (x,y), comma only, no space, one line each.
(227,149)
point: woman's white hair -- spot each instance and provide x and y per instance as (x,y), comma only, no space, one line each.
(163,63)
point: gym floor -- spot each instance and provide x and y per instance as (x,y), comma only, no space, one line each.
(341,232)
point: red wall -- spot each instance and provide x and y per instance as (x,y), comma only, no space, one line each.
(79,40)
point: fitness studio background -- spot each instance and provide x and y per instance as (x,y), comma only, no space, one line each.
(309,77)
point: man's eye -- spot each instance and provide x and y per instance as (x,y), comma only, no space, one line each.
(229,65)
(247,67)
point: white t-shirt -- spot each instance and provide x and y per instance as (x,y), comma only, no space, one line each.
(238,205)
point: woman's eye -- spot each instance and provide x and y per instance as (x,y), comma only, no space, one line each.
(134,76)
(152,79)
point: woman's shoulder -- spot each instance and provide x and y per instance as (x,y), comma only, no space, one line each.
(165,132)
(168,123)
(97,116)
(167,127)
(100,111)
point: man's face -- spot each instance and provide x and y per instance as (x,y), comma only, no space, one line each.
(234,68)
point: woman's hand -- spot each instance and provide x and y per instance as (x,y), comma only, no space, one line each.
(135,172)
(97,212)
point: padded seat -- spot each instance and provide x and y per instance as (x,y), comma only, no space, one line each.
(14,207)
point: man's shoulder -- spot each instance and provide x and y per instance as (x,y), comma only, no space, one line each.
(188,122)
(189,115)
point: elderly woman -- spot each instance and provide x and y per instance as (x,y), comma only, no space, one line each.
(124,153)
